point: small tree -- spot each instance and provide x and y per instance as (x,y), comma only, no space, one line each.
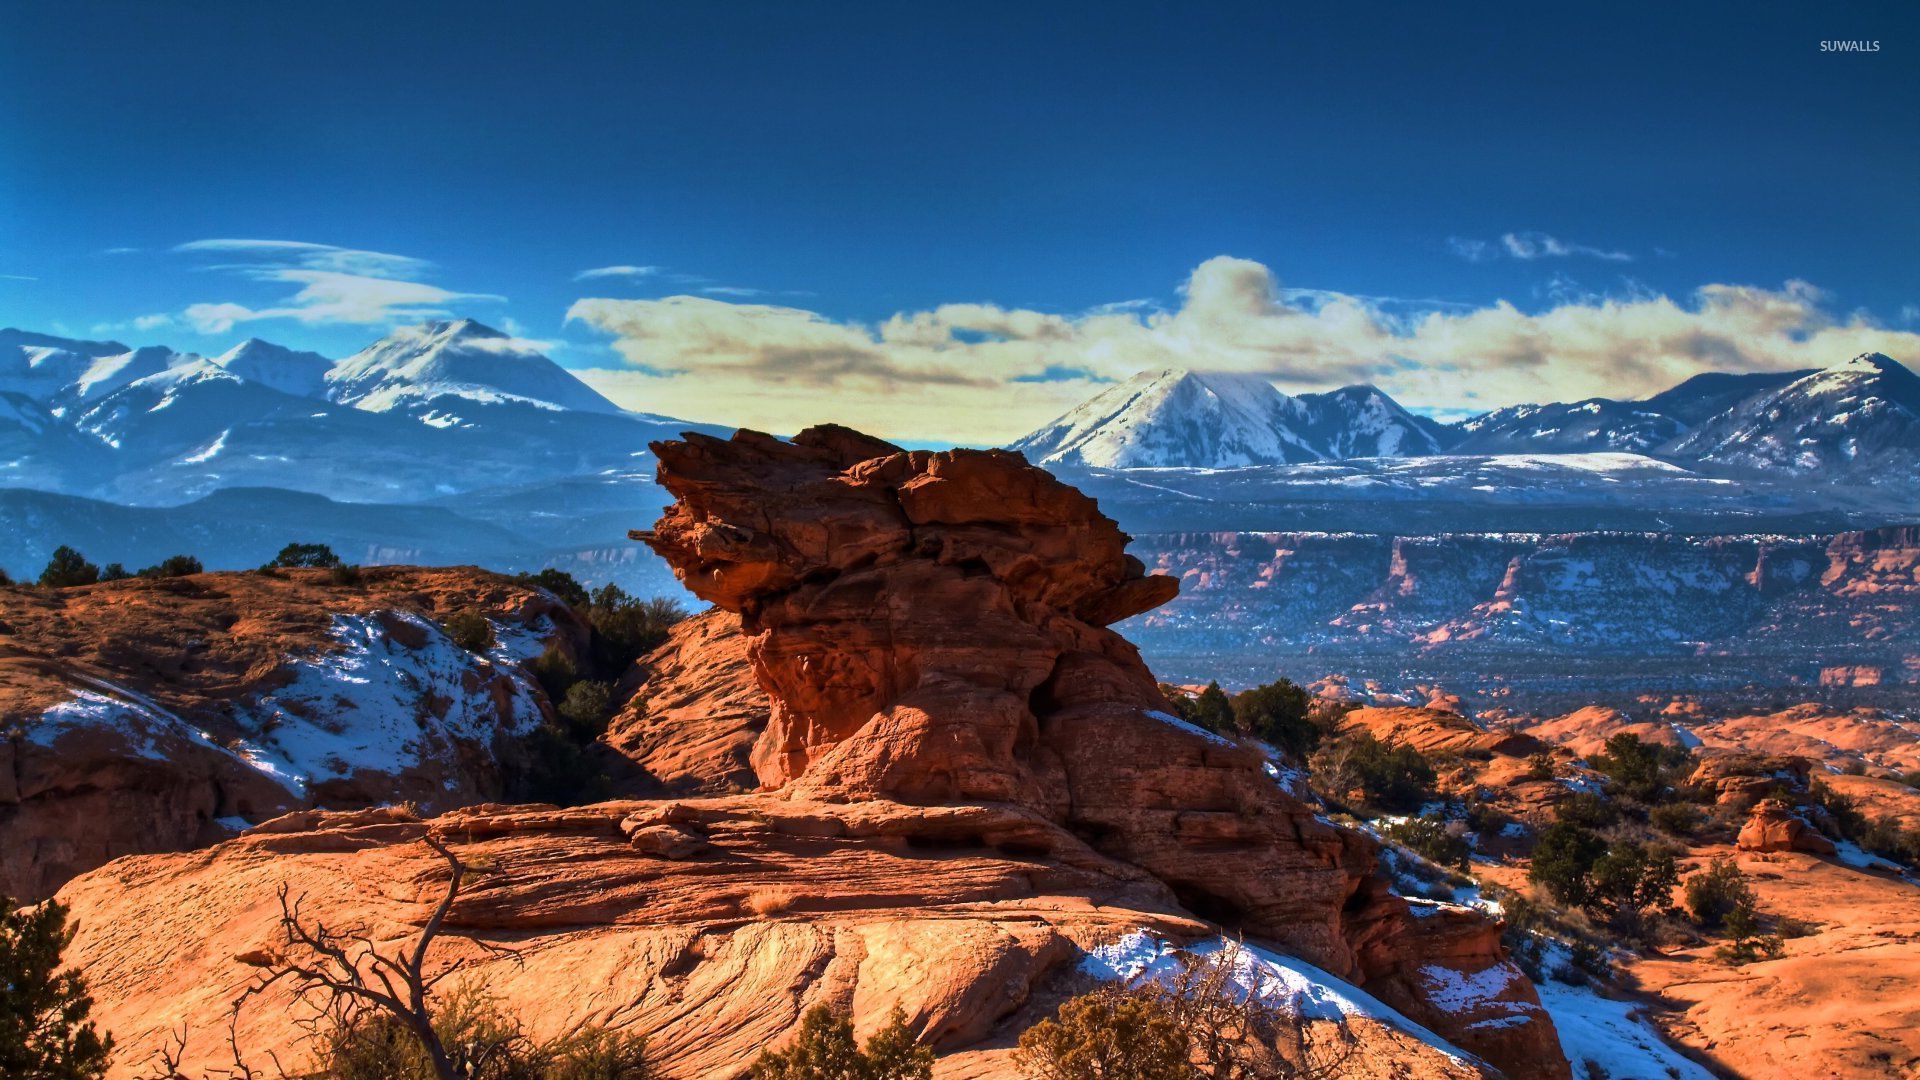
(1108,1034)
(114,571)
(44,1030)
(826,1050)
(1562,861)
(471,631)
(1212,709)
(1629,879)
(587,706)
(559,583)
(173,566)
(308,556)
(1640,769)
(1280,713)
(68,568)
(1716,893)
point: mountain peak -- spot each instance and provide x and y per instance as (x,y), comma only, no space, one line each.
(432,366)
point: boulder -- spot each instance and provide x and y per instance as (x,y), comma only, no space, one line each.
(1773,826)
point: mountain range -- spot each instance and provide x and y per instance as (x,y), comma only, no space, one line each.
(453,442)
(1859,420)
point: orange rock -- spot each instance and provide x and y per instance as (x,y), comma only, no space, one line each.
(1773,826)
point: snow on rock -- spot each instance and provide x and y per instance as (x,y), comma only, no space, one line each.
(1191,729)
(1612,1035)
(1292,985)
(397,695)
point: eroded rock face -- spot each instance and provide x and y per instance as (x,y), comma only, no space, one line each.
(691,724)
(158,715)
(1773,826)
(971,919)
(931,629)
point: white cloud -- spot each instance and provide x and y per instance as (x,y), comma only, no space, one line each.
(335,285)
(314,257)
(17,277)
(618,272)
(152,322)
(1528,246)
(950,371)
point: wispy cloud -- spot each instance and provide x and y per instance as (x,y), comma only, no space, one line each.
(17,277)
(619,272)
(334,285)
(951,369)
(315,257)
(1528,246)
(121,251)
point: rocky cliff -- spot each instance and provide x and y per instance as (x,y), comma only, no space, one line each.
(969,789)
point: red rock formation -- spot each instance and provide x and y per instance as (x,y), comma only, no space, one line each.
(1733,777)
(691,723)
(1435,731)
(123,702)
(931,629)
(1773,826)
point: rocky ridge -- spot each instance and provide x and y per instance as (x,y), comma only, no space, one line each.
(968,784)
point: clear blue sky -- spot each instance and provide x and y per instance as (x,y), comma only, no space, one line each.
(862,159)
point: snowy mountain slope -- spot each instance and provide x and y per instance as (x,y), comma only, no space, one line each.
(1860,418)
(1360,421)
(1175,417)
(432,411)
(278,367)
(1593,425)
(1704,396)
(439,370)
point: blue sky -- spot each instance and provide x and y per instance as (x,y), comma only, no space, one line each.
(857,162)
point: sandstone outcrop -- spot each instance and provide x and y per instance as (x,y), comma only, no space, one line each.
(965,783)
(1773,826)
(691,723)
(931,629)
(1733,777)
(159,715)
(1437,731)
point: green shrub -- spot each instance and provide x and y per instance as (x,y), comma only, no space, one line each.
(1844,812)
(173,566)
(68,568)
(1717,892)
(825,1050)
(1433,839)
(1642,770)
(559,583)
(1394,778)
(345,575)
(1108,1034)
(1563,860)
(1212,710)
(44,1030)
(1280,713)
(113,571)
(586,708)
(626,628)
(471,631)
(1677,819)
(1748,942)
(554,670)
(307,556)
(1587,810)
(1632,878)
(1539,767)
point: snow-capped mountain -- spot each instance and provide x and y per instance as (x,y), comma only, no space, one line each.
(1220,420)
(1360,421)
(1709,394)
(1176,418)
(287,370)
(1596,425)
(442,370)
(1860,418)
(426,412)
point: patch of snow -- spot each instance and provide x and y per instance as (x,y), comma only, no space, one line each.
(211,451)
(1852,854)
(1612,1034)
(1293,985)
(377,705)
(1193,729)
